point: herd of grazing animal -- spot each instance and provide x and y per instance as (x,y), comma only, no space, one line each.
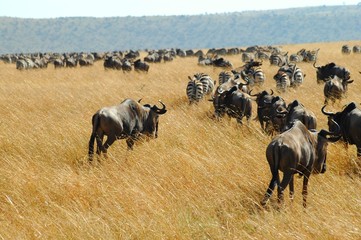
(296,148)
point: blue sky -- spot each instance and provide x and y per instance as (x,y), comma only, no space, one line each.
(112,8)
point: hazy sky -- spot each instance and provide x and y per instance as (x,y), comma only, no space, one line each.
(112,8)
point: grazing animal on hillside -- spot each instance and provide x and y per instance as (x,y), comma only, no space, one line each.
(253,73)
(141,66)
(296,111)
(346,49)
(349,120)
(194,90)
(297,150)
(283,81)
(323,73)
(264,104)
(295,75)
(127,120)
(278,59)
(335,88)
(234,102)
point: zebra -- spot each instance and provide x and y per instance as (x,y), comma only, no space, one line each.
(282,81)
(207,82)
(278,59)
(311,55)
(224,76)
(294,73)
(256,75)
(253,73)
(194,90)
(300,56)
(356,49)
(297,77)
(247,56)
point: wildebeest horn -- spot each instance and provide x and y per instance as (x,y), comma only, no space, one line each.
(271,92)
(160,111)
(253,95)
(140,99)
(190,78)
(350,81)
(326,113)
(314,65)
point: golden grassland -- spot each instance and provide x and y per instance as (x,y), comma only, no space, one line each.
(200,179)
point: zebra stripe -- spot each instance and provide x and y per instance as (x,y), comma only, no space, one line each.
(223,77)
(194,90)
(296,58)
(282,81)
(298,77)
(206,80)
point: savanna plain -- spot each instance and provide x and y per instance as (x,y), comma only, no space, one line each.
(200,179)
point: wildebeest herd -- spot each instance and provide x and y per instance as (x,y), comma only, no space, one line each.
(297,147)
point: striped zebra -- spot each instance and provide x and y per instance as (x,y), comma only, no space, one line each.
(282,81)
(311,55)
(295,74)
(224,76)
(278,59)
(298,77)
(248,56)
(194,90)
(256,75)
(206,80)
(356,49)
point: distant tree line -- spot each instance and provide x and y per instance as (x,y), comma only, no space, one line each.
(272,27)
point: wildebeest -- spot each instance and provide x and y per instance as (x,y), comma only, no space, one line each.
(234,102)
(264,102)
(112,62)
(127,120)
(323,73)
(335,88)
(296,111)
(221,62)
(346,49)
(253,73)
(277,115)
(141,66)
(271,111)
(297,150)
(349,120)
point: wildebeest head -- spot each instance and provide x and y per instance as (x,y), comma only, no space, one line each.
(338,117)
(152,118)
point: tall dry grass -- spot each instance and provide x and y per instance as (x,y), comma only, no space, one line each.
(201,179)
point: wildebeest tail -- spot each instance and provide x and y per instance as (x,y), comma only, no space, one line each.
(95,123)
(276,159)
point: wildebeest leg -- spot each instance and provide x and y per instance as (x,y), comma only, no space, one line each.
(304,188)
(130,143)
(270,189)
(292,192)
(99,138)
(285,181)
(110,140)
